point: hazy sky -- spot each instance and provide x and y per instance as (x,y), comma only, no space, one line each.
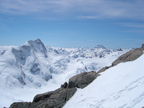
(73,23)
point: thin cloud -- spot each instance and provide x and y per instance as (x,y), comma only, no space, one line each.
(132,25)
(136,31)
(88,17)
(76,41)
(90,40)
(67,8)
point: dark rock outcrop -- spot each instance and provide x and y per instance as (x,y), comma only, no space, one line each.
(119,49)
(82,80)
(103,69)
(54,99)
(129,56)
(20,105)
(58,98)
(64,85)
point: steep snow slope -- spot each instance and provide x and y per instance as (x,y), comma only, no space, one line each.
(33,68)
(121,86)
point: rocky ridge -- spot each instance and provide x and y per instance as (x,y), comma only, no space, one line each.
(58,98)
(128,56)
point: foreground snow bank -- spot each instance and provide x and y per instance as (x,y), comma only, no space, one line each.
(121,86)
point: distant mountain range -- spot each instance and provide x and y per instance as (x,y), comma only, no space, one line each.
(34,64)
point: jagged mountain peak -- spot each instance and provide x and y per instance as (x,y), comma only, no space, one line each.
(29,48)
(37,46)
(120,49)
(38,40)
(100,46)
(29,59)
(34,43)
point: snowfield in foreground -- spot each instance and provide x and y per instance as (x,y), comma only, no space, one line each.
(121,86)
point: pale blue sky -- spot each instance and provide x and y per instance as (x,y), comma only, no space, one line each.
(73,23)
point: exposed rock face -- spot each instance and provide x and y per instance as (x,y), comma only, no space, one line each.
(119,49)
(35,69)
(64,85)
(58,98)
(82,80)
(103,69)
(129,56)
(54,99)
(38,46)
(20,105)
(22,53)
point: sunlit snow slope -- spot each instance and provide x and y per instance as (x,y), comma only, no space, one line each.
(121,86)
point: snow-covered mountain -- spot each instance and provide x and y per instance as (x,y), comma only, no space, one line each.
(98,51)
(33,68)
(24,65)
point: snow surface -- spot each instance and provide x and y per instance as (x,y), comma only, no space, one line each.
(33,68)
(121,86)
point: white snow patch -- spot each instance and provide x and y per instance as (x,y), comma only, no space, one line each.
(121,86)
